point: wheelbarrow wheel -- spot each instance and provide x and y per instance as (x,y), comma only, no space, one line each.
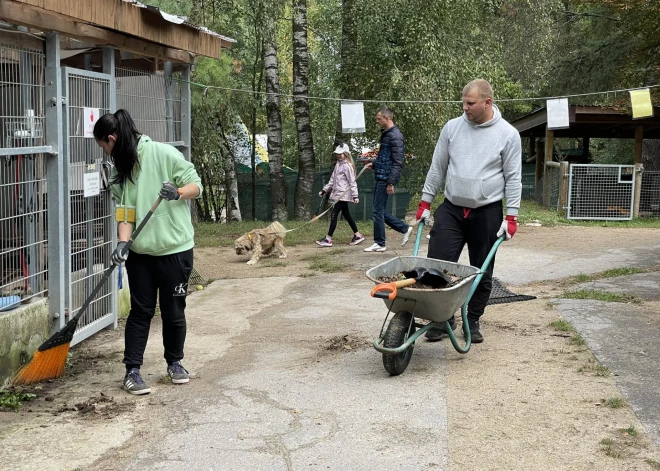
(396,335)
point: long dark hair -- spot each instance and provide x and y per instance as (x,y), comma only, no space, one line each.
(124,152)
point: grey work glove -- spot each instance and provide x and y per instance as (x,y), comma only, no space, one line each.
(169,192)
(118,256)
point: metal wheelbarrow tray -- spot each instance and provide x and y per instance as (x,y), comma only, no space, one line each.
(438,305)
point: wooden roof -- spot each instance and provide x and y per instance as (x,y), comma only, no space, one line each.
(591,121)
(125,24)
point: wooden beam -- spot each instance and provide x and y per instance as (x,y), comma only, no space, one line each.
(532,147)
(540,160)
(638,189)
(139,22)
(27,15)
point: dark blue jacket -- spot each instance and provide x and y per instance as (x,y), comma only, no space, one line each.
(389,161)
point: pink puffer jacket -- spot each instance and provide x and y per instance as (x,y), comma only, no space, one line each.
(342,183)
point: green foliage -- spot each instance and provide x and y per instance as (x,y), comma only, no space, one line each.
(12,399)
(601,296)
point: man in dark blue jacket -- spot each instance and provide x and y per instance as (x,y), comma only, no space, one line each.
(387,171)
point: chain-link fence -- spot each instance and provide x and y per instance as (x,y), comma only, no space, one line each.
(649,198)
(601,192)
(23,197)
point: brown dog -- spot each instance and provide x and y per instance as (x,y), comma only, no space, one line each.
(268,241)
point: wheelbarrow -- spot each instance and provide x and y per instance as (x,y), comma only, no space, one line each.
(409,303)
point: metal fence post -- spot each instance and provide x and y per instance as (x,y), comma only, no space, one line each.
(185,111)
(169,102)
(57,261)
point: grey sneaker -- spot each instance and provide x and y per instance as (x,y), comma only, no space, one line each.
(134,384)
(177,373)
(406,236)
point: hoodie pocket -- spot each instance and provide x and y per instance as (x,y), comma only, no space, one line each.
(465,192)
(163,234)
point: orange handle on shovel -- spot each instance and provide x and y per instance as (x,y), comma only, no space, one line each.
(388,290)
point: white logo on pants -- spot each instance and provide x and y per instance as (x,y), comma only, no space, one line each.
(181,289)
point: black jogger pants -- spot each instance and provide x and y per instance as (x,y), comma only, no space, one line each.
(341,206)
(455,226)
(165,276)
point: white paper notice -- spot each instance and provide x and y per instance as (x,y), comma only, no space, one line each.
(91,116)
(558,113)
(92,184)
(352,117)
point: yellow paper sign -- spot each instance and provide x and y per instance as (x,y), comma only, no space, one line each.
(641,103)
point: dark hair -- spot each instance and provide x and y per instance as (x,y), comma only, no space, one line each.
(386,112)
(124,152)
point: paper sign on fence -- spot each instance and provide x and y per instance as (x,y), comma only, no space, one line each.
(90,117)
(558,113)
(91,184)
(352,117)
(641,103)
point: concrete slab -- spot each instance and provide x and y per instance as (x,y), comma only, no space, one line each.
(624,338)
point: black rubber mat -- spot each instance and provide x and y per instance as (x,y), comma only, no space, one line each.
(500,295)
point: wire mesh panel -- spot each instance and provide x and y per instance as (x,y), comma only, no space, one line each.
(649,198)
(153,101)
(91,234)
(23,232)
(601,192)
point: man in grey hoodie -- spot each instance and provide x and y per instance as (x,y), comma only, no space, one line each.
(478,158)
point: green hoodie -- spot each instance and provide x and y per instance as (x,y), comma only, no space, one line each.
(170,229)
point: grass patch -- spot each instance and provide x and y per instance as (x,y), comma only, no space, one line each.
(602,371)
(609,447)
(601,296)
(611,273)
(562,326)
(327,265)
(123,302)
(12,399)
(614,402)
(630,431)
(577,340)
(307,274)
(652,463)
(224,235)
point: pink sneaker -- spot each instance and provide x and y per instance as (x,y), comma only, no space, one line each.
(325,242)
(357,238)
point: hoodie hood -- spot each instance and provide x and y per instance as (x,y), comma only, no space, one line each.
(496,117)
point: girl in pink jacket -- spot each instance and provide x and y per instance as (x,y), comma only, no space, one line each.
(343,190)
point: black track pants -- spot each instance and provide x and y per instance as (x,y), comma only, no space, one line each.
(454,227)
(149,276)
(341,206)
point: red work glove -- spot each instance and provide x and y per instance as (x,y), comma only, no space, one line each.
(509,227)
(424,211)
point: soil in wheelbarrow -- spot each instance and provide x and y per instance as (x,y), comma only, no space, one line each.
(400,276)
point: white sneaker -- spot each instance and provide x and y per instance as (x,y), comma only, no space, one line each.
(428,236)
(406,236)
(375,248)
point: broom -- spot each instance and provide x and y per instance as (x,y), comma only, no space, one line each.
(50,358)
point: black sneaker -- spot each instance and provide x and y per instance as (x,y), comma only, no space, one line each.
(438,333)
(474,332)
(134,384)
(177,373)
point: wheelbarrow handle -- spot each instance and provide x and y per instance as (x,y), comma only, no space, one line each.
(388,290)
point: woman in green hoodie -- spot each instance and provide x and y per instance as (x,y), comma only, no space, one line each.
(160,261)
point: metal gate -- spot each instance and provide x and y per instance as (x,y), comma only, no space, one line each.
(90,238)
(604,192)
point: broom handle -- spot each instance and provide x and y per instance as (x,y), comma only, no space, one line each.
(110,269)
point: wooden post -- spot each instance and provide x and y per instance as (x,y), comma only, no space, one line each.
(639,140)
(532,147)
(547,179)
(563,188)
(585,150)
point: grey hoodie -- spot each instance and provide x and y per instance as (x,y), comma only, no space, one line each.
(481,163)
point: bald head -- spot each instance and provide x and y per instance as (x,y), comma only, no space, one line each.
(481,87)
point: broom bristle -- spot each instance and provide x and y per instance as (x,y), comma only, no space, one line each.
(47,364)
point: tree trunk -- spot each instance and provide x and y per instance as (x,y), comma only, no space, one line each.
(306,159)
(231,184)
(271,66)
(651,155)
